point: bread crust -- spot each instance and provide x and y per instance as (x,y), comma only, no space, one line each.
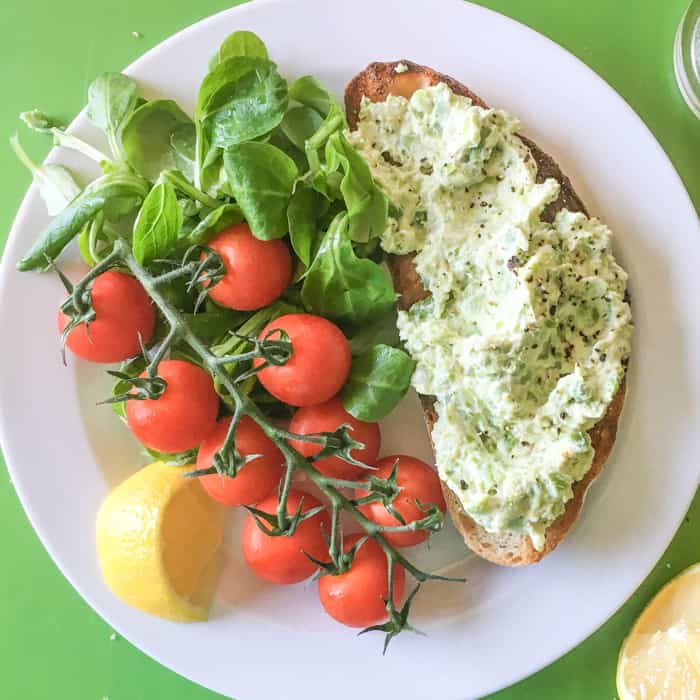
(376,82)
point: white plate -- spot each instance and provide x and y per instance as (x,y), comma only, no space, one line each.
(64,453)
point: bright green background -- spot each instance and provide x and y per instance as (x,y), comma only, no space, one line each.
(51,644)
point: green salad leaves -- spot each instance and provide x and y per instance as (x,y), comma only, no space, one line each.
(261,178)
(56,184)
(113,192)
(343,286)
(159,136)
(378,381)
(240,43)
(259,150)
(158,224)
(112,97)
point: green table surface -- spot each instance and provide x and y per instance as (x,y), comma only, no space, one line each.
(52,645)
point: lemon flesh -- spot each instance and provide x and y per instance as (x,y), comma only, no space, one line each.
(660,659)
(158,537)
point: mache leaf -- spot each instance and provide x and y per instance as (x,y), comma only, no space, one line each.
(158,224)
(261,178)
(342,286)
(379,379)
(56,183)
(304,209)
(239,43)
(148,139)
(112,97)
(215,221)
(241,99)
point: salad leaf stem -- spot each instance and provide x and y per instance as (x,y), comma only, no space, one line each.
(56,183)
(38,121)
(180,182)
(61,138)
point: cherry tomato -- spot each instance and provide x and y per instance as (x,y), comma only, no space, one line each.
(257,272)
(122,311)
(325,418)
(418,482)
(282,559)
(357,597)
(182,416)
(318,367)
(256,479)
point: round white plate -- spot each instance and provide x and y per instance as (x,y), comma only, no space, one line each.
(64,453)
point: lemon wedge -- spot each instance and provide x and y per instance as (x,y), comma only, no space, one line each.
(158,536)
(660,659)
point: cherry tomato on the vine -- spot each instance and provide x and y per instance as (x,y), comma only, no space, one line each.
(257,272)
(182,416)
(418,482)
(123,310)
(282,559)
(357,597)
(326,418)
(318,367)
(256,479)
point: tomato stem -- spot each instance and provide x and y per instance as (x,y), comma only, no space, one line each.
(339,443)
(334,545)
(177,273)
(152,368)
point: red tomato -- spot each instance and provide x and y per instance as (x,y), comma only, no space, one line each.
(182,416)
(318,367)
(417,481)
(282,559)
(257,272)
(122,311)
(325,418)
(356,597)
(256,479)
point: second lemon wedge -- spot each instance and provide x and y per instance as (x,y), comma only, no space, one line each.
(158,536)
(660,660)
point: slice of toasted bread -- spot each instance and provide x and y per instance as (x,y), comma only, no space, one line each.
(376,82)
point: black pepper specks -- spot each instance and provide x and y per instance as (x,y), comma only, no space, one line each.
(388,158)
(425,167)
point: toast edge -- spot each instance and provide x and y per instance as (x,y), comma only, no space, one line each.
(376,82)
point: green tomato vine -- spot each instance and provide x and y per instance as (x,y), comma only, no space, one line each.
(275,349)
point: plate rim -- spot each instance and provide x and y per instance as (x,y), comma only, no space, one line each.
(24,210)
